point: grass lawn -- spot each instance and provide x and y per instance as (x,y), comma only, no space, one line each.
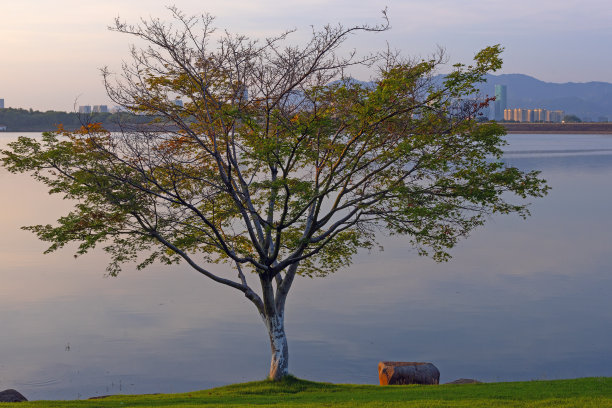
(292,392)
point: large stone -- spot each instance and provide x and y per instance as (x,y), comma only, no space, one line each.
(11,396)
(398,372)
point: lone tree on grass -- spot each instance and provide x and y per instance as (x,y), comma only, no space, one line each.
(275,163)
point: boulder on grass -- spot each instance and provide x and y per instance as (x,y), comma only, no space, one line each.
(11,396)
(399,372)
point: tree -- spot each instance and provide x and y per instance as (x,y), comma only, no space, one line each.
(22,120)
(571,119)
(276,163)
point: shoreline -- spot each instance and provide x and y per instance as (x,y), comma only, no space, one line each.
(299,393)
(511,128)
(601,128)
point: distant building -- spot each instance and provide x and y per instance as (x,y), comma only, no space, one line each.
(100,109)
(533,115)
(178,102)
(468,107)
(117,109)
(538,115)
(555,116)
(243,94)
(2,128)
(520,115)
(1,103)
(85,109)
(501,101)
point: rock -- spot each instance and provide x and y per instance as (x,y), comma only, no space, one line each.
(398,372)
(11,396)
(465,381)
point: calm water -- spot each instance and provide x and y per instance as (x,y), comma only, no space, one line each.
(520,300)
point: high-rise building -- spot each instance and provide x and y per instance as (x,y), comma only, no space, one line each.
(555,116)
(521,115)
(508,115)
(533,115)
(501,101)
(539,115)
(85,109)
(100,108)
(1,103)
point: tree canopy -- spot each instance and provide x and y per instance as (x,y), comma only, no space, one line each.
(571,119)
(277,163)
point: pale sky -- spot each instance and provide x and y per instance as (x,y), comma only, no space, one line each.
(51,51)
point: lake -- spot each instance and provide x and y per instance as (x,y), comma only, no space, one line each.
(520,300)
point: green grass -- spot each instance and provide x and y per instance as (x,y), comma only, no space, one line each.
(293,392)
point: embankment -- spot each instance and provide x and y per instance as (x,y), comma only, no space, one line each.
(587,128)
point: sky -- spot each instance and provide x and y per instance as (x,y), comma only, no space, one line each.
(52,51)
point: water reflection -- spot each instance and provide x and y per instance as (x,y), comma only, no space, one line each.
(520,300)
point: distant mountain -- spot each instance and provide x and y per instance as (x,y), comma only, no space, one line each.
(588,100)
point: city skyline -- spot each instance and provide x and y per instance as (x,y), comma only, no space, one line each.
(55,50)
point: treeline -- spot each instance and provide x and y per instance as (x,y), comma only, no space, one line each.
(24,120)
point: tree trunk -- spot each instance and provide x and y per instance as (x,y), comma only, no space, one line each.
(279,364)
(273,315)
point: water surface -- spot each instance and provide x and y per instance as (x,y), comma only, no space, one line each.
(520,300)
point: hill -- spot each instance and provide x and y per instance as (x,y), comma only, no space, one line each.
(591,101)
(588,100)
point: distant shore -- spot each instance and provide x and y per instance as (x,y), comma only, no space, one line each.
(569,128)
(511,128)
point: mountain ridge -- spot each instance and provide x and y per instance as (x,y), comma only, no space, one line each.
(588,100)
